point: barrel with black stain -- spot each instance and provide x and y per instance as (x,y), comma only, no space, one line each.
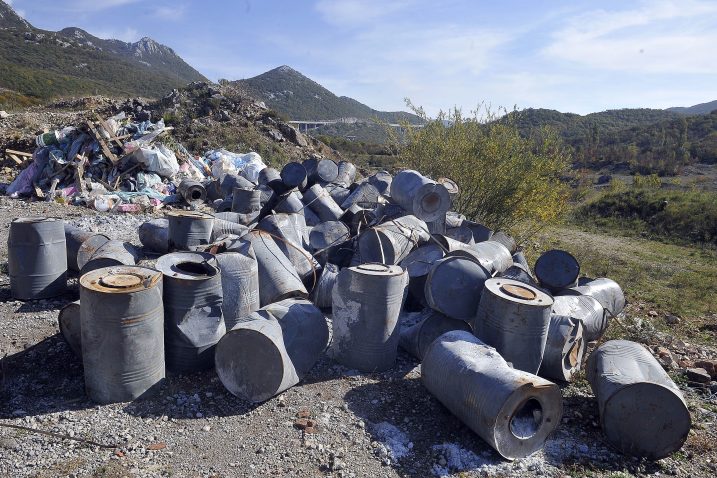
(122,316)
(557,270)
(192,309)
(37,258)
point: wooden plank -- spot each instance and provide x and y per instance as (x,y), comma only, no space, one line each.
(38,191)
(17,160)
(19,153)
(105,149)
(107,128)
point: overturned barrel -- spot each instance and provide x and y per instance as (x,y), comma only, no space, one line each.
(37,258)
(293,175)
(154,235)
(514,317)
(192,191)
(512,410)
(192,309)
(69,322)
(290,202)
(321,295)
(382,182)
(495,252)
(320,170)
(642,411)
(392,241)
(365,195)
(271,349)
(287,231)
(585,309)
(272,178)
(454,286)
(221,228)
(111,253)
(366,302)
(557,270)
(418,264)
(346,174)
(189,229)
(74,237)
(564,349)
(320,201)
(89,248)
(122,331)
(431,325)
(420,196)
(606,291)
(240,283)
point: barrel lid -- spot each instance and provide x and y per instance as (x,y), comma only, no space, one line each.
(519,291)
(120,279)
(189,214)
(376,268)
(516,291)
(34,220)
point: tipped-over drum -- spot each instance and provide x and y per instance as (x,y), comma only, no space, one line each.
(557,270)
(454,286)
(420,196)
(240,283)
(416,338)
(564,349)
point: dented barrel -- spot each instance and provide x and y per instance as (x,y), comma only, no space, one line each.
(321,295)
(514,318)
(122,317)
(189,229)
(37,258)
(585,309)
(192,309)
(431,325)
(418,264)
(365,195)
(512,410)
(642,411)
(240,283)
(346,174)
(320,201)
(367,300)
(382,182)
(564,349)
(392,241)
(606,291)
(287,231)
(154,235)
(420,196)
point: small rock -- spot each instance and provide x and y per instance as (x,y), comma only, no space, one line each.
(4,114)
(672,319)
(206,428)
(710,367)
(652,313)
(698,375)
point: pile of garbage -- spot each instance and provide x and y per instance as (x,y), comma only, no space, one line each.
(312,260)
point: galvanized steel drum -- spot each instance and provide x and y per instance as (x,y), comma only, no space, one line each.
(240,283)
(392,241)
(642,411)
(111,253)
(420,196)
(320,201)
(272,178)
(122,319)
(321,170)
(74,237)
(606,291)
(365,195)
(192,191)
(290,202)
(557,270)
(432,324)
(418,264)
(192,309)
(37,258)
(454,286)
(154,235)
(70,325)
(382,182)
(367,300)
(513,411)
(346,173)
(294,175)
(514,318)
(564,349)
(585,309)
(89,247)
(496,253)
(287,231)
(189,229)
(321,295)
(246,200)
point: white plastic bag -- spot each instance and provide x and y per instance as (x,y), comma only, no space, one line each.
(158,159)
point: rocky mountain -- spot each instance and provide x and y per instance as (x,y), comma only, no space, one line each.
(300,98)
(700,109)
(42,64)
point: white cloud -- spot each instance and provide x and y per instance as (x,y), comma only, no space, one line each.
(127,34)
(357,12)
(173,13)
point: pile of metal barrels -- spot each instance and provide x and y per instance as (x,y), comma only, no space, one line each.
(310,261)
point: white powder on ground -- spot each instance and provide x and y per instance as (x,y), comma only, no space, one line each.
(396,442)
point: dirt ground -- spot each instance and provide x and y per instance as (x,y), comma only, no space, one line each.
(367,424)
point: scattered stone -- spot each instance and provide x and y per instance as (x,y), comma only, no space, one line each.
(652,313)
(672,319)
(710,366)
(698,375)
(4,114)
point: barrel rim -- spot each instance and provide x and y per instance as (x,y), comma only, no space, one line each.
(149,278)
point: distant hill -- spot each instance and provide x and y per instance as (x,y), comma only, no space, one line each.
(300,98)
(43,64)
(700,109)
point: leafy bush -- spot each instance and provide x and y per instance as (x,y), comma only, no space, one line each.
(506,180)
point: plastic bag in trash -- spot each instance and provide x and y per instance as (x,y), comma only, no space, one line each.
(223,161)
(157,159)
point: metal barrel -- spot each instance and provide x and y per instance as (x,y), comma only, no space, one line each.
(346,173)
(480,232)
(557,270)
(462,234)
(37,258)
(606,291)
(320,201)
(154,235)
(506,240)
(520,260)
(357,218)
(267,198)
(229,216)
(326,237)
(74,237)
(338,193)
(454,219)
(438,226)
(278,278)
(287,232)
(70,325)
(240,283)
(293,175)
(271,349)
(496,253)
(420,196)
(122,330)
(222,205)
(432,324)
(642,411)
(231,181)
(365,195)
(189,229)
(514,317)
(222,227)
(320,170)
(366,302)
(392,241)
(585,309)
(111,253)
(450,244)
(89,247)
(451,186)
(418,264)
(564,349)
(454,286)
(246,200)
(312,219)
(272,178)
(290,203)
(192,191)
(517,272)
(193,321)
(321,295)
(513,411)
(382,182)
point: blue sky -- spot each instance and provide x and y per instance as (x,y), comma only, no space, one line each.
(577,56)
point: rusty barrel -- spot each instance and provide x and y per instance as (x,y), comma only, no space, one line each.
(154,235)
(512,410)
(189,229)
(240,283)
(111,253)
(70,325)
(431,325)
(366,302)
(192,191)
(420,196)
(564,349)
(514,318)
(585,309)
(270,350)
(122,331)
(37,258)
(320,201)
(557,270)
(192,309)
(642,411)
